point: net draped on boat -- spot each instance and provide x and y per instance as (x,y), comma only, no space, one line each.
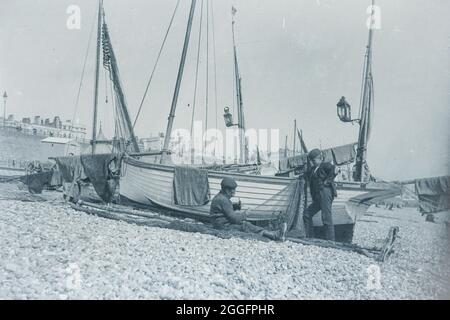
(285,206)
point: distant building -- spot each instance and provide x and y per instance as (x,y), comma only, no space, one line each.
(153,143)
(57,122)
(47,128)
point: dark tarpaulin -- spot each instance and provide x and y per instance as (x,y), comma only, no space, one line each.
(294,211)
(67,166)
(293,162)
(327,155)
(434,194)
(37,181)
(339,155)
(72,174)
(92,168)
(433,186)
(56,179)
(96,168)
(431,204)
(344,154)
(297,161)
(71,169)
(191,186)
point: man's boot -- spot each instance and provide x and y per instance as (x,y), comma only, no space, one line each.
(309,228)
(329,232)
(276,235)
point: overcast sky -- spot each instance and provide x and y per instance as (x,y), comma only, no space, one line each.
(297,58)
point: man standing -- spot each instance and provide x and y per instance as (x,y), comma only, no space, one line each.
(323,191)
(228,215)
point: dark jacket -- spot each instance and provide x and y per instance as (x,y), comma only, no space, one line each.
(321,178)
(223,211)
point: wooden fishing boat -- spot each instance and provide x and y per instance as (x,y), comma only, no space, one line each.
(264,198)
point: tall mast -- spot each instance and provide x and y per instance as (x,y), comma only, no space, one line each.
(207,78)
(366,104)
(285,147)
(97,67)
(241,121)
(295,131)
(179,77)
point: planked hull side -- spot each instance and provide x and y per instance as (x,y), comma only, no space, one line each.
(146,183)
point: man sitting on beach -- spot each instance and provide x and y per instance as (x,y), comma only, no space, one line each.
(228,215)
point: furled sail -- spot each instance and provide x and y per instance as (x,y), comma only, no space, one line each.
(127,139)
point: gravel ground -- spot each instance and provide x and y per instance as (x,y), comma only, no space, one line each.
(49,251)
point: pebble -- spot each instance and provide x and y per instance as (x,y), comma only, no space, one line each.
(49,251)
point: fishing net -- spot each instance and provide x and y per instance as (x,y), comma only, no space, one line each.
(285,206)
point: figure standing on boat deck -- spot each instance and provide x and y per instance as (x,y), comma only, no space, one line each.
(227,214)
(323,191)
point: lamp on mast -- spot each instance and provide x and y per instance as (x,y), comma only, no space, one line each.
(344,111)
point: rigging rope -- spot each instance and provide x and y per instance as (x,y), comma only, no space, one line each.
(156,63)
(196,70)
(82,78)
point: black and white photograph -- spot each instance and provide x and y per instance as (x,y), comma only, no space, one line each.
(236,151)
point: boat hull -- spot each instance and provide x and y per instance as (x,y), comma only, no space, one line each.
(150,184)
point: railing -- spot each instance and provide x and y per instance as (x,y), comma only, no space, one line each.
(13,164)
